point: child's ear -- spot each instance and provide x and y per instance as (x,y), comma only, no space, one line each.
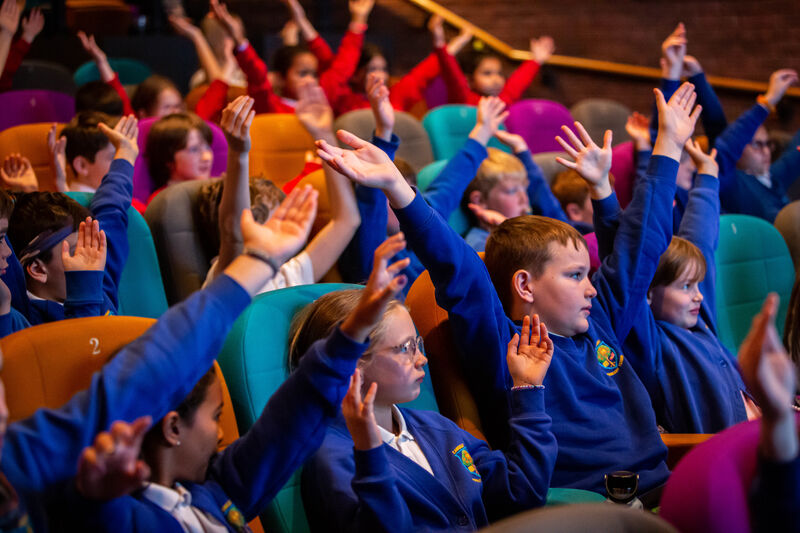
(649,296)
(37,271)
(171,428)
(81,166)
(573,211)
(475,197)
(522,285)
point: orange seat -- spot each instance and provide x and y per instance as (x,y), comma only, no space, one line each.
(279,148)
(30,140)
(317,180)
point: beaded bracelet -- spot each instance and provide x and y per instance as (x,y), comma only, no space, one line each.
(261,256)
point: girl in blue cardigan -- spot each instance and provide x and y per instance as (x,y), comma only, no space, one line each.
(386,468)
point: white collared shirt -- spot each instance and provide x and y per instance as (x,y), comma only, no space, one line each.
(404,442)
(178,503)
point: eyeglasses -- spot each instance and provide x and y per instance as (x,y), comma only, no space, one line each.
(407,350)
(760,145)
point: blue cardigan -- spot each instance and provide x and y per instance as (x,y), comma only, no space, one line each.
(383,490)
(96,293)
(602,416)
(147,377)
(246,476)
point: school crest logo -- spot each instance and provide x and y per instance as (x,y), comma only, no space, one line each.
(608,358)
(234,516)
(466,461)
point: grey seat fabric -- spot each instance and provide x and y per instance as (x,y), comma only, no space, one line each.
(550,167)
(583,518)
(788,223)
(182,255)
(415,147)
(600,114)
(36,74)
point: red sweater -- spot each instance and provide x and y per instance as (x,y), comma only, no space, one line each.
(127,109)
(16,54)
(258,85)
(458,91)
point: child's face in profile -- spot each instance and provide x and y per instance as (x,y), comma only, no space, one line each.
(488,79)
(201,438)
(302,72)
(194,161)
(92,173)
(562,295)
(5,250)
(396,363)
(679,302)
(509,197)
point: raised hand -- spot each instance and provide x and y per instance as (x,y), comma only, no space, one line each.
(491,114)
(290,33)
(360,10)
(90,45)
(286,231)
(436,27)
(676,120)
(529,354)
(705,163)
(691,66)
(638,127)
(57,147)
(9,17)
(384,283)
(542,48)
(673,51)
(382,109)
(232,25)
(90,252)
(359,414)
(124,138)
(779,82)
(236,120)
(183,26)
(488,216)
(512,140)
(590,161)
(17,174)
(111,467)
(314,111)
(33,25)
(459,41)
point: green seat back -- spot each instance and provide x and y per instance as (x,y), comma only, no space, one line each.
(130,71)
(569,496)
(752,260)
(141,291)
(458,220)
(448,127)
(254,361)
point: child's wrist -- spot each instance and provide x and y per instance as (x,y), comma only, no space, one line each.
(601,191)
(779,437)
(667,147)
(357,25)
(480,134)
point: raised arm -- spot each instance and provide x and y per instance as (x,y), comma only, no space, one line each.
(519,81)
(107,74)
(31,27)
(9,21)
(345,62)
(713,116)
(787,168)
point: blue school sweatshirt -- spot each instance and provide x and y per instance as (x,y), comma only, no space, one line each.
(149,376)
(602,416)
(743,193)
(383,490)
(693,380)
(96,293)
(248,474)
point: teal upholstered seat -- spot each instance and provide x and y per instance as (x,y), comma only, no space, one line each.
(141,291)
(254,363)
(448,127)
(130,71)
(458,220)
(752,260)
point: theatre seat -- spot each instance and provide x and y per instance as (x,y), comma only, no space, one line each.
(448,127)
(279,147)
(538,122)
(254,360)
(30,140)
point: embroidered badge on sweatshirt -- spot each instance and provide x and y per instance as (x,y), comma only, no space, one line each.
(466,461)
(608,358)
(234,516)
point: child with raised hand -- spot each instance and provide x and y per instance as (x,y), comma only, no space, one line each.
(155,372)
(539,265)
(31,27)
(41,221)
(9,22)
(108,77)
(361,479)
(750,183)
(322,252)
(693,380)
(767,370)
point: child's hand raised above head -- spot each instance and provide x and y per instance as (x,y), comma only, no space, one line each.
(673,51)
(384,283)
(231,24)
(57,147)
(705,163)
(32,25)
(591,162)
(360,10)
(436,27)
(458,42)
(542,49)
(676,120)
(17,174)
(9,17)
(491,114)
(512,140)
(691,66)
(314,112)
(367,165)
(183,26)
(90,252)
(236,120)
(382,109)
(359,414)
(111,467)
(638,127)
(529,354)
(124,138)
(779,83)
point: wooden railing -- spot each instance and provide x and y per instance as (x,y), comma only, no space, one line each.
(580,63)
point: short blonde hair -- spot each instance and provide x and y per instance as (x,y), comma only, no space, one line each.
(498,167)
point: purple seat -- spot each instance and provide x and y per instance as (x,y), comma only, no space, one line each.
(143,183)
(539,121)
(436,93)
(623,168)
(31,106)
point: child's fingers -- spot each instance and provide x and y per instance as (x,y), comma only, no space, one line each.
(696,114)
(289,201)
(567,148)
(579,146)
(81,236)
(139,429)
(585,137)
(525,335)
(713,154)
(369,398)
(690,102)
(503,116)
(512,345)
(64,250)
(351,140)
(568,164)
(661,103)
(607,139)
(397,266)
(535,334)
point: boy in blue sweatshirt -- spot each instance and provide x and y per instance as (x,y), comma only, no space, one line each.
(154,373)
(42,222)
(602,416)
(693,381)
(11,320)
